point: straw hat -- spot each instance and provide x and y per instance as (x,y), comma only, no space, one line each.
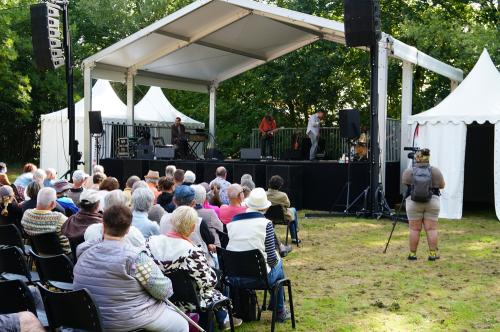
(154,175)
(257,200)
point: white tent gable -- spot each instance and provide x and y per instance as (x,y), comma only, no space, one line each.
(155,107)
(477,98)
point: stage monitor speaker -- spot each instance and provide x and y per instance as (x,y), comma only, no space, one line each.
(249,154)
(362,22)
(145,152)
(213,154)
(95,122)
(349,123)
(165,152)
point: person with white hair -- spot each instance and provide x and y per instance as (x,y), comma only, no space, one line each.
(220,180)
(236,197)
(169,171)
(246,176)
(39,176)
(43,220)
(189,178)
(142,201)
(51,177)
(89,182)
(208,215)
(74,193)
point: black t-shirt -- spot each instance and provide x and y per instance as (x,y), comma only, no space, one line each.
(164,199)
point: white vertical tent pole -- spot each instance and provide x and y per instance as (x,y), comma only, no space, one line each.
(406,111)
(130,97)
(87,105)
(383,69)
(211,116)
(453,85)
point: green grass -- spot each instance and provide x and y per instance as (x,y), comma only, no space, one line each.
(343,282)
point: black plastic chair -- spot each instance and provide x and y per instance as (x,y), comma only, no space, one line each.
(46,244)
(13,266)
(251,264)
(276,215)
(223,238)
(53,268)
(185,290)
(75,309)
(16,297)
(11,236)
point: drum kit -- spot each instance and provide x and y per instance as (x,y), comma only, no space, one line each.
(361,148)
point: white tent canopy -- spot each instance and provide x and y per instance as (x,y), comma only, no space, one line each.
(154,108)
(209,41)
(443,129)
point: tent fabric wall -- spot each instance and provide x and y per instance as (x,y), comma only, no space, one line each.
(496,170)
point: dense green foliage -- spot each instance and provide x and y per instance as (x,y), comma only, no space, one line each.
(322,75)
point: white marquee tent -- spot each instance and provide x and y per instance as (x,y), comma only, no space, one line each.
(443,129)
(154,108)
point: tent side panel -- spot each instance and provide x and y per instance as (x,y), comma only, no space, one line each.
(54,146)
(496,169)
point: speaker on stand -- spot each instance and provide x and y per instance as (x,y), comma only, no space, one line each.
(96,131)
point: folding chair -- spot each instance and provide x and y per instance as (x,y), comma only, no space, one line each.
(276,215)
(11,236)
(17,297)
(13,265)
(223,237)
(55,270)
(46,244)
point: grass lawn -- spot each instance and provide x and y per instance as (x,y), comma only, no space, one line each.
(343,282)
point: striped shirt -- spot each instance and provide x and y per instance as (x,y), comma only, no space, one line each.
(37,222)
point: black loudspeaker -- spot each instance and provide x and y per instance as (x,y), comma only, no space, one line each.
(145,152)
(46,36)
(350,123)
(164,152)
(250,154)
(362,22)
(213,154)
(95,122)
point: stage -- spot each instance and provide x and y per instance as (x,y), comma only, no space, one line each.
(310,185)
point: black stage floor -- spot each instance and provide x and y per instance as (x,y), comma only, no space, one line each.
(310,185)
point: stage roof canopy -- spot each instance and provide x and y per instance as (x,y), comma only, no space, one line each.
(210,41)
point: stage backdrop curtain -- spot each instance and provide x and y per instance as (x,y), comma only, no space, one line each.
(447,145)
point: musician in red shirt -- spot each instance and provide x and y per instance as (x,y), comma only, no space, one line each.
(267,128)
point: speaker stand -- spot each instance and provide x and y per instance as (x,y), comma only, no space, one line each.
(97,138)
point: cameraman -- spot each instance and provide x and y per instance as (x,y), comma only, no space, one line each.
(422,202)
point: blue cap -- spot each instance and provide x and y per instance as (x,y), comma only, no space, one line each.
(183,195)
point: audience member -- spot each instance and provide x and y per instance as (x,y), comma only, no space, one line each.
(43,220)
(277,197)
(97,179)
(24,179)
(109,184)
(246,176)
(169,171)
(127,286)
(152,179)
(156,213)
(4,181)
(23,321)
(39,176)
(115,197)
(142,201)
(220,179)
(166,187)
(208,215)
(32,193)
(174,251)
(51,177)
(74,228)
(139,184)
(236,197)
(246,191)
(178,177)
(248,183)
(189,178)
(214,195)
(3,168)
(11,211)
(128,186)
(62,186)
(251,230)
(77,189)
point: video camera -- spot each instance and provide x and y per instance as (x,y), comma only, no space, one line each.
(413,150)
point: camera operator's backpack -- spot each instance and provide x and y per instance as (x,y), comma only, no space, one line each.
(421,187)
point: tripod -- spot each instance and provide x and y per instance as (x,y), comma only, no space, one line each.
(395,219)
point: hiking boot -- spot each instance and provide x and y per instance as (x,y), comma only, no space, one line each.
(284,250)
(433,255)
(283,316)
(227,325)
(412,256)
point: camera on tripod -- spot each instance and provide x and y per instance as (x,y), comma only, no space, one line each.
(413,150)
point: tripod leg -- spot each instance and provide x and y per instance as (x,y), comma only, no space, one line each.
(394,223)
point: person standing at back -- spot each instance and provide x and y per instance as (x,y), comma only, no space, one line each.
(313,127)
(422,203)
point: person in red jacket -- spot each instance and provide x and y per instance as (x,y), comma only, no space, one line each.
(267,128)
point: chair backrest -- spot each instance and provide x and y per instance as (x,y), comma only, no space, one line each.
(55,268)
(16,297)
(184,287)
(11,236)
(12,261)
(224,238)
(75,309)
(275,214)
(247,264)
(46,244)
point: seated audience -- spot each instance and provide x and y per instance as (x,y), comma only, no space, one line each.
(189,178)
(277,197)
(4,181)
(178,177)
(220,179)
(39,176)
(24,179)
(214,195)
(156,213)
(128,186)
(251,230)
(62,186)
(152,179)
(169,171)
(74,228)
(208,215)
(245,177)
(11,212)
(247,184)
(127,286)
(90,182)
(166,187)
(51,177)
(23,321)
(236,197)
(77,189)
(43,220)
(32,193)
(174,251)
(142,201)
(107,185)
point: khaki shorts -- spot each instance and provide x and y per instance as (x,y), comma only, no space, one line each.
(428,210)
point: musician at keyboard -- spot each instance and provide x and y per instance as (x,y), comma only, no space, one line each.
(179,138)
